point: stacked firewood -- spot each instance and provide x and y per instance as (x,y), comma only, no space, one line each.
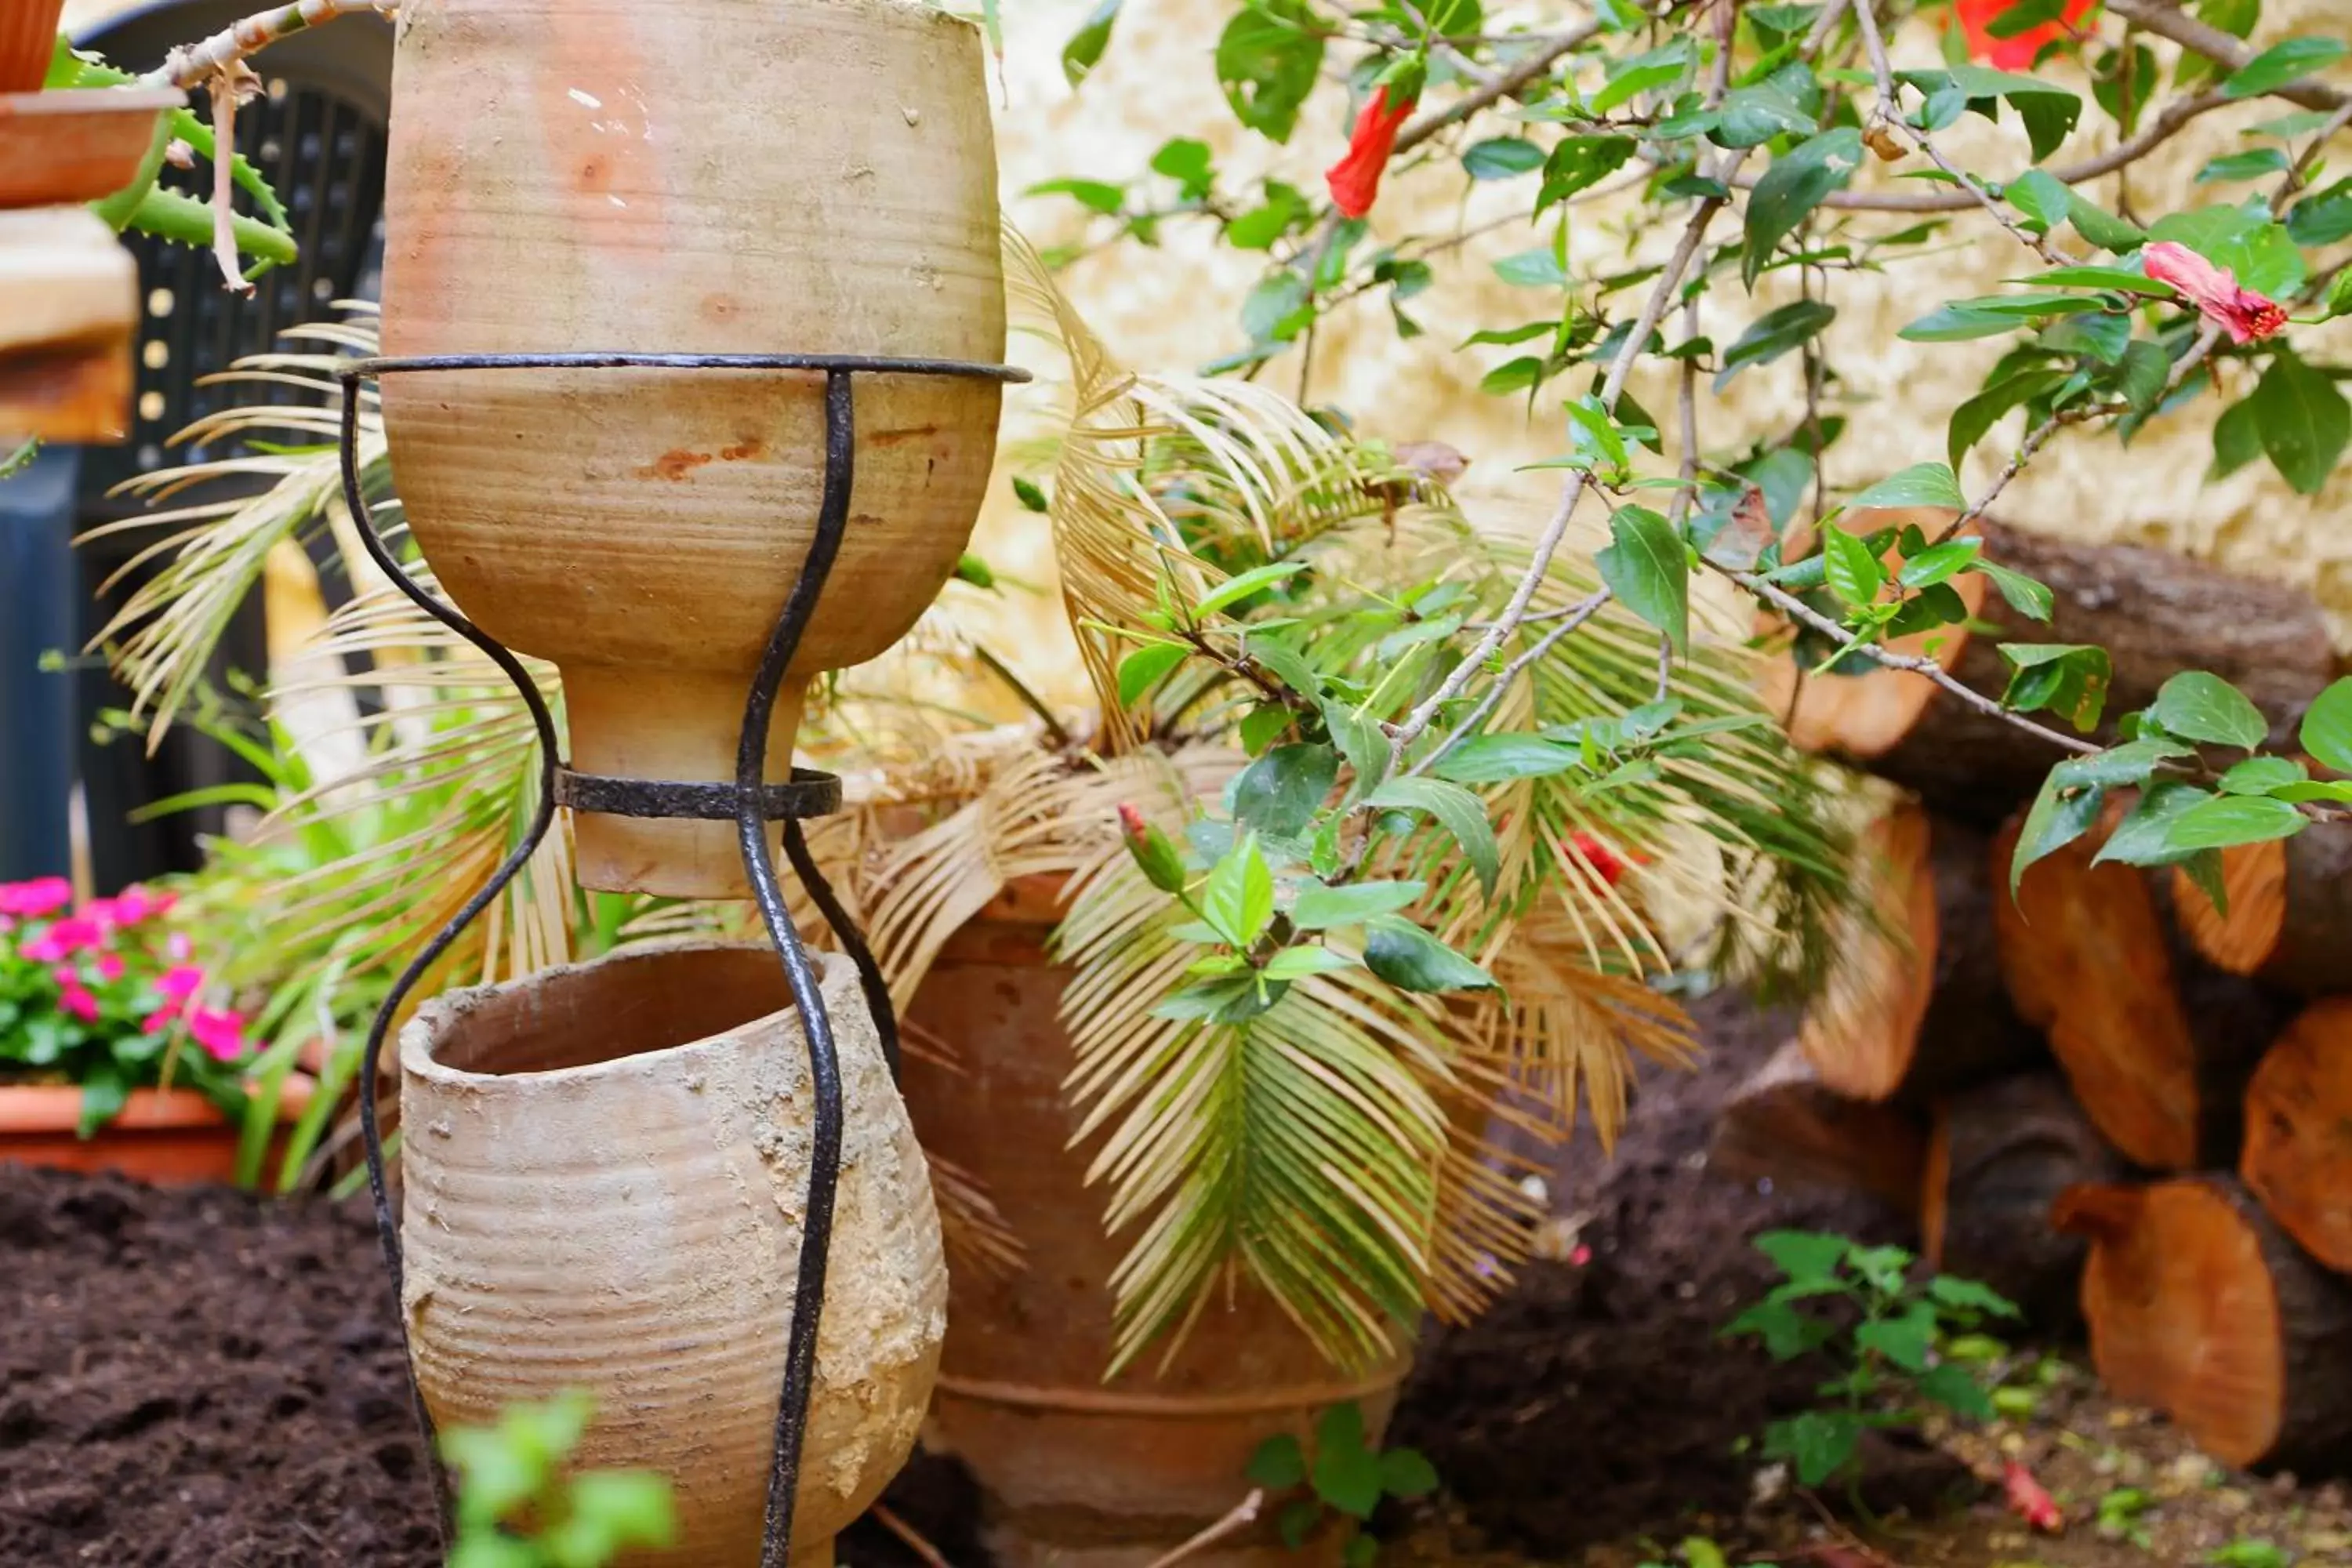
(2106,1098)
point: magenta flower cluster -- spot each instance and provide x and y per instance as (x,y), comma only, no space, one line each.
(100,994)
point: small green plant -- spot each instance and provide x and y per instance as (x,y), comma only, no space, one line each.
(1347,1475)
(2119,1516)
(1860,1307)
(517,1508)
(2247,1552)
(1699,1552)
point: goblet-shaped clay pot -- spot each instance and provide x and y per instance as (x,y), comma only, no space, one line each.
(700,176)
(606,1171)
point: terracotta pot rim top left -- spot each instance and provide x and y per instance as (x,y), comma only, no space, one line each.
(837,981)
(127,100)
(57,1106)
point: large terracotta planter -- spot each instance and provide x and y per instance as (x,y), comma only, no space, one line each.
(605,1168)
(698,176)
(168,1136)
(1077,1472)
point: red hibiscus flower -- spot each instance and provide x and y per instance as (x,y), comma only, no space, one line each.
(1977,18)
(1355,180)
(2214,292)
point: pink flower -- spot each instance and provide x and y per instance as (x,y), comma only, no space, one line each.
(181,981)
(65,938)
(73,999)
(220,1033)
(160,1019)
(110,966)
(179,947)
(2214,292)
(41,895)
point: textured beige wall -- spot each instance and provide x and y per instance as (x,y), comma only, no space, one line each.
(1177,306)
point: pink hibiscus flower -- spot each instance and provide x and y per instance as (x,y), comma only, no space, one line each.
(2214,290)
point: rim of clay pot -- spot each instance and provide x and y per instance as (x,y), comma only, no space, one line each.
(56,1108)
(702,1013)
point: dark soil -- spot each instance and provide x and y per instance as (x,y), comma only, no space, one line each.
(1599,1400)
(199,1379)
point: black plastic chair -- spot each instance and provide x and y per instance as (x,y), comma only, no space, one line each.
(317,133)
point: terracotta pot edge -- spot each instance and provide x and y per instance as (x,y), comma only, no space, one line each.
(838,981)
(43,1109)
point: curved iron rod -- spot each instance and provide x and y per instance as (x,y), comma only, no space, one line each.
(853,942)
(387,1226)
(825,1067)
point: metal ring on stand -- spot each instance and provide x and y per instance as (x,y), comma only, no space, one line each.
(751,801)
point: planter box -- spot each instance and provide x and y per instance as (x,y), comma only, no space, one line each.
(169,1136)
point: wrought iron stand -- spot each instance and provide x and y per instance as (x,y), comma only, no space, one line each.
(751,802)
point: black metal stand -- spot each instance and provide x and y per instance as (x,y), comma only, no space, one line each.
(751,802)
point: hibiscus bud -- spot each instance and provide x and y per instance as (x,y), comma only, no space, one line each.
(1606,863)
(2028,1500)
(1355,179)
(1153,850)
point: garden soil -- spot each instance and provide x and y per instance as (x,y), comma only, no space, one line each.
(199,1379)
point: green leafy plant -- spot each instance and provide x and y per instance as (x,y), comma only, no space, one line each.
(2249,1552)
(519,1507)
(1346,1475)
(1862,1307)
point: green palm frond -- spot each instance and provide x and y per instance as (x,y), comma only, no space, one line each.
(1296,1146)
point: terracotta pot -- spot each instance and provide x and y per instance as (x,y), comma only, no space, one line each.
(169,1136)
(701,176)
(605,1170)
(1077,1472)
(76,144)
(28,39)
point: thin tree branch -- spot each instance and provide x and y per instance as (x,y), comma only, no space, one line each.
(1797,609)
(1502,87)
(1575,615)
(908,1535)
(1243,1515)
(2168,124)
(2167,20)
(192,63)
(1887,111)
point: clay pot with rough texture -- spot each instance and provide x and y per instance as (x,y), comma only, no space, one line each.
(1077,1472)
(605,1175)
(167,1136)
(29,40)
(697,177)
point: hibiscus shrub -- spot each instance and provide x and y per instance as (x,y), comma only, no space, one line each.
(107,996)
(1754,160)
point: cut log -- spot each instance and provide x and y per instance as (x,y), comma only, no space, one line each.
(2155,613)
(2157,1044)
(1785,1126)
(1998,1157)
(2199,1306)
(2298,1156)
(2290,915)
(1914,1006)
